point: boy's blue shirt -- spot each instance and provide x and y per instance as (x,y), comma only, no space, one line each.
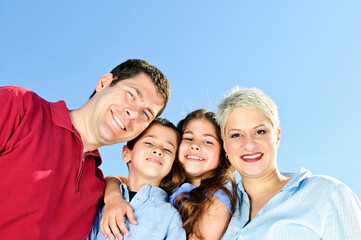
(156,218)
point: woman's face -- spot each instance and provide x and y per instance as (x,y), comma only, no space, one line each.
(250,142)
(200,148)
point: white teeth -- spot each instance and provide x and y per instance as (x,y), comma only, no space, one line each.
(253,156)
(118,121)
(194,157)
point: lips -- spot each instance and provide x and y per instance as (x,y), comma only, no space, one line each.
(117,120)
(194,158)
(254,157)
(154,160)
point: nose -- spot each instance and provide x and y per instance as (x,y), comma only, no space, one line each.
(157,152)
(249,143)
(133,114)
(195,147)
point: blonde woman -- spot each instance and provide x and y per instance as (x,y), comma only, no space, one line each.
(275,205)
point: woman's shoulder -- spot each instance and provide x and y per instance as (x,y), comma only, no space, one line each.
(320,185)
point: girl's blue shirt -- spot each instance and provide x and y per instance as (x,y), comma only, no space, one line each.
(187,187)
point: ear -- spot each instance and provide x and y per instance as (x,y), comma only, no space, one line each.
(126,154)
(278,135)
(104,81)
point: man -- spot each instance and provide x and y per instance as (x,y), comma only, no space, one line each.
(51,181)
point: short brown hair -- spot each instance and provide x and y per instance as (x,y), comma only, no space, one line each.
(133,67)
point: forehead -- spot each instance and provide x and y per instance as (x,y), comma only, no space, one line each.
(145,88)
(247,117)
(201,127)
(161,133)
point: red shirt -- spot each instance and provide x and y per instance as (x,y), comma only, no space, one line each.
(49,189)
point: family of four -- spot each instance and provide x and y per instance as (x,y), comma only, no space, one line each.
(181,182)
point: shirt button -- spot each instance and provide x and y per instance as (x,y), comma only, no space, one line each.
(152,198)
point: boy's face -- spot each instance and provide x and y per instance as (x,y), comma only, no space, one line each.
(152,156)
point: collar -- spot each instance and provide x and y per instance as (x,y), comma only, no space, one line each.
(145,192)
(297,179)
(60,116)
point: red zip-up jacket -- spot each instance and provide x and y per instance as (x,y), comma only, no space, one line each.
(49,189)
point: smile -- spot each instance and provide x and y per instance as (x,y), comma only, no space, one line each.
(252,157)
(119,122)
(194,158)
(155,160)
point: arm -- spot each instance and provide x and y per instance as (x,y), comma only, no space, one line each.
(10,115)
(344,221)
(214,221)
(115,209)
(175,230)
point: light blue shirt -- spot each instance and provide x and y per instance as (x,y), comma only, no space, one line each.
(156,217)
(187,187)
(308,207)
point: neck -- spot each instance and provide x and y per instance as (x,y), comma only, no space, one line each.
(135,183)
(196,181)
(79,122)
(268,185)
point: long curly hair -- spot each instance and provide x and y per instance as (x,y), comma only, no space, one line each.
(194,204)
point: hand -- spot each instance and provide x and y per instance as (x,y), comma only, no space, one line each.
(112,221)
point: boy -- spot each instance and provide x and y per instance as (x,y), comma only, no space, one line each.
(149,157)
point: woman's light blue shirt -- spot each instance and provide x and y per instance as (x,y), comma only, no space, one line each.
(308,207)
(156,217)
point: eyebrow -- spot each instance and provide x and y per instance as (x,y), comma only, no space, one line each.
(153,136)
(204,135)
(140,95)
(236,129)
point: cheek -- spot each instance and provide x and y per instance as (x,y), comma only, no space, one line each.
(230,149)
(139,127)
(214,155)
(169,164)
(182,151)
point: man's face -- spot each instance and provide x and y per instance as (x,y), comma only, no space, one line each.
(121,112)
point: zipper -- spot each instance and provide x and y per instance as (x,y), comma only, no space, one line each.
(81,169)
(80,173)
(84,154)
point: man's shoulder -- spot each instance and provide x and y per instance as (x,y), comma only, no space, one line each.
(19,94)
(15,91)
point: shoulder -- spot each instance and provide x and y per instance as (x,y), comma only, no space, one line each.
(185,187)
(324,187)
(224,199)
(20,97)
(323,182)
(16,92)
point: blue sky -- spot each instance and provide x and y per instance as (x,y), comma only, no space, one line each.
(304,54)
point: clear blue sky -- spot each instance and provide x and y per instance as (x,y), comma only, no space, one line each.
(305,54)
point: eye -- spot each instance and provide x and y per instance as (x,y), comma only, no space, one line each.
(167,150)
(208,142)
(131,95)
(146,115)
(148,143)
(235,135)
(187,139)
(260,132)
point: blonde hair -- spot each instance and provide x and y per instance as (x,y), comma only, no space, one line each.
(246,98)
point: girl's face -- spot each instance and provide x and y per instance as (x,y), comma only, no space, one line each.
(200,149)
